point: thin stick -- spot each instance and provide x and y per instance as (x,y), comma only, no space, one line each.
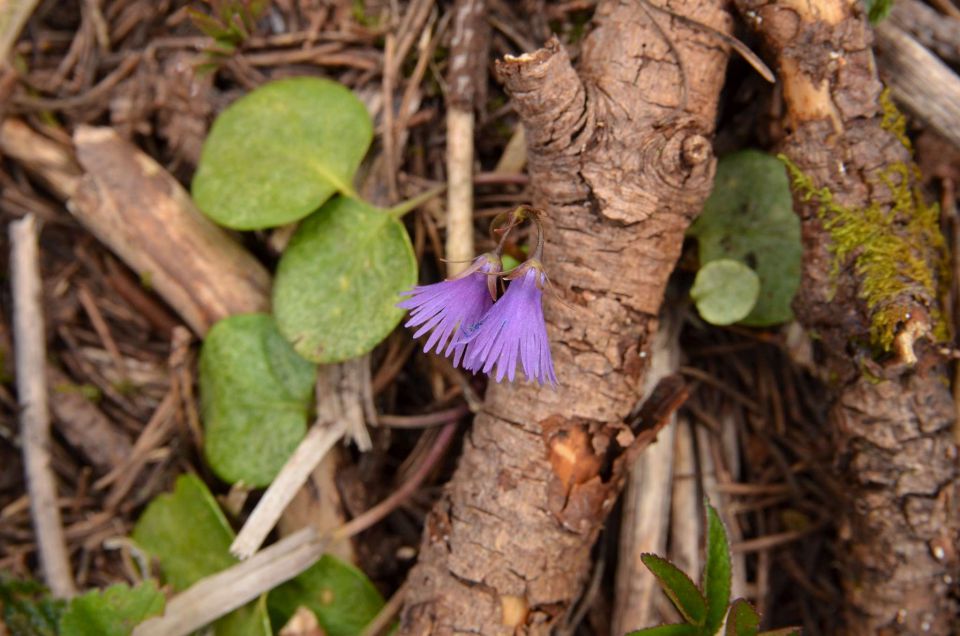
(13,15)
(427,419)
(210,598)
(318,441)
(459,247)
(385,616)
(466,87)
(31,354)
(385,507)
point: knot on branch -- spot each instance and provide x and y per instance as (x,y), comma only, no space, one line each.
(683,160)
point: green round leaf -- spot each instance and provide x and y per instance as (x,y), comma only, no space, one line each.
(255,392)
(341,596)
(275,155)
(190,537)
(749,218)
(339,281)
(725,291)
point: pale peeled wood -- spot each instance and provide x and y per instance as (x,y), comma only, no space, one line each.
(646,501)
(923,84)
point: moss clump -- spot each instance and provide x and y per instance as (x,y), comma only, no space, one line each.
(897,250)
(893,120)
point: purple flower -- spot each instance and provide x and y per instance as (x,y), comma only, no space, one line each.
(514,329)
(452,306)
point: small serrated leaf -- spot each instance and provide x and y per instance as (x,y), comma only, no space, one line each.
(742,620)
(668,630)
(678,587)
(725,291)
(114,611)
(716,572)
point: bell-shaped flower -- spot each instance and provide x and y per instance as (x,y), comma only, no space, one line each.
(452,307)
(513,330)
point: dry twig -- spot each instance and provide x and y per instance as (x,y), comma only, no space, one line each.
(469,48)
(31,353)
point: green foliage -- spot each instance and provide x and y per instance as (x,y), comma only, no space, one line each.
(230,21)
(342,597)
(114,611)
(716,578)
(878,9)
(255,393)
(278,153)
(743,620)
(705,608)
(749,218)
(27,608)
(679,589)
(725,291)
(668,630)
(339,280)
(188,534)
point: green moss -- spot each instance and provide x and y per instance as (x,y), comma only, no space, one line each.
(88,391)
(893,120)
(889,245)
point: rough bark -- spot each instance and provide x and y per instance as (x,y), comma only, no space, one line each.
(620,161)
(892,411)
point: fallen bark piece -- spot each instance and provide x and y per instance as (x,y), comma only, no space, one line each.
(937,32)
(142,214)
(874,264)
(926,87)
(50,161)
(620,162)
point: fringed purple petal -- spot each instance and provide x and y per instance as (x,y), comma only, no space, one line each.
(443,308)
(513,330)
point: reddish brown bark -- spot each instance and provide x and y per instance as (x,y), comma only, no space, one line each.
(620,159)
(892,413)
